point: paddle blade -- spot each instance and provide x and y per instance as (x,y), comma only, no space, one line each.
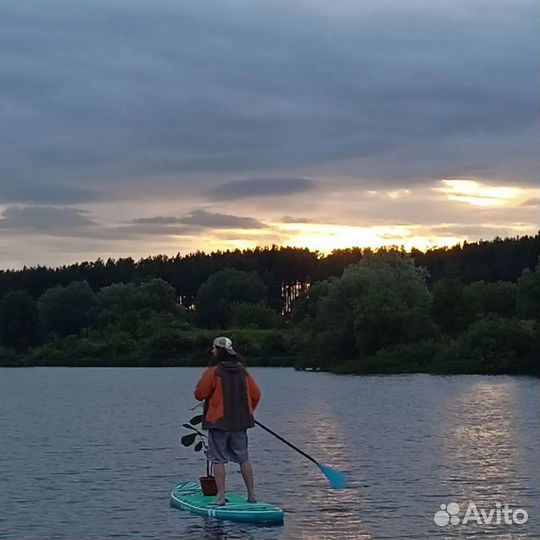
(336,478)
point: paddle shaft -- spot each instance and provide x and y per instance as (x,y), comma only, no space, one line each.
(288,443)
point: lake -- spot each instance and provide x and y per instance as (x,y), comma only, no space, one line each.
(92,453)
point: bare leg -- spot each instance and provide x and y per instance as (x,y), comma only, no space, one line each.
(219,474)
(247,474)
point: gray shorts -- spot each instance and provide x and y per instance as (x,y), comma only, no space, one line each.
(225,446)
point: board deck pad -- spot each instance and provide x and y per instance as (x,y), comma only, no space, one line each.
(188,496)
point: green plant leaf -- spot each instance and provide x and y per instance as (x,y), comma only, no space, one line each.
(189,426)
(196,420)
(188,440)
(198,446)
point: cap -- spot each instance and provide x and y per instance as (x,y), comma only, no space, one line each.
(224,343)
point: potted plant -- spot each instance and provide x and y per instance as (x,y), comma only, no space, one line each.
(198,438)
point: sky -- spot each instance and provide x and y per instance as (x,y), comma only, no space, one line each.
(135,128)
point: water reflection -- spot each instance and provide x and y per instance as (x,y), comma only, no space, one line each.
(215,530)
(328,513)
(476,431)
(481,447)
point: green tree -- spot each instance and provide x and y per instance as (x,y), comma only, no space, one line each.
(304,308)
(452,308)
(124,299)
(528,293)
(18,320)
(246,315)
(498,345)
(379,302)
(481,298)
(221,290)
(66,310)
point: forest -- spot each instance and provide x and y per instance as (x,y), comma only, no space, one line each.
(470,308)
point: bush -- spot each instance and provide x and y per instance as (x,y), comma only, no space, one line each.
(245,315)
(420,357)
(498,345)
(169,345)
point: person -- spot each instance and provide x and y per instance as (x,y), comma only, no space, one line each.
(230,396)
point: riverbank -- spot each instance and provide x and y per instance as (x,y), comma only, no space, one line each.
(498,349)
(182,348)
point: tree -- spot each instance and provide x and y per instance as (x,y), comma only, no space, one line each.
(18,320)
(65,310)
(452,308)
(246,315)
(497,298)
(528,293)
(498,345)
(379,302)
(122,299)
(219,291)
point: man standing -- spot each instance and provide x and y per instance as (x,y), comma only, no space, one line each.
(230,396)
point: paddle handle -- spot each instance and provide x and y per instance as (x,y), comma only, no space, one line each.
(288,443)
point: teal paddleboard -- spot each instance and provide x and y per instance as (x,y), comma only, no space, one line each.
(188,496)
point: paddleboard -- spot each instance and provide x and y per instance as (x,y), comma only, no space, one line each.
(188,496)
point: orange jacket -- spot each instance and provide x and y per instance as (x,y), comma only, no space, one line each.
(210,389)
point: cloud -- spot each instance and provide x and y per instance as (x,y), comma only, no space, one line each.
(291,219)
(362,96)
(260,187)
(158,220)
(138,230)
(202,218)
(534,201)
(74,222)
(485,232)
(41,193)
(384,93)
(44,219)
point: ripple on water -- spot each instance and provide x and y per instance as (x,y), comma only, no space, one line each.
(99,456)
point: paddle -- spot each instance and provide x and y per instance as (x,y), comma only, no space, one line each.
(336,478)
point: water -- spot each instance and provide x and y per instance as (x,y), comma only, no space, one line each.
(93,453)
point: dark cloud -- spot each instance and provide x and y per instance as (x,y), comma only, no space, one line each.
(50,193)
(74,222)
(202,218)
(44,219)
(205,219)
(387,93)
(260,187)
(158,220)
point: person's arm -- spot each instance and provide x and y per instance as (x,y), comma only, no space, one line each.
(205,386)
(254,392)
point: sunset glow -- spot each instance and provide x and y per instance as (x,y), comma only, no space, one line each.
(326,238)
(479,194)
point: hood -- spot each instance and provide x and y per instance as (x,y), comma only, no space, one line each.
(231,366)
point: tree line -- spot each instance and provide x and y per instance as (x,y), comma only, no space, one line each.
(472,308)
(284,270)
